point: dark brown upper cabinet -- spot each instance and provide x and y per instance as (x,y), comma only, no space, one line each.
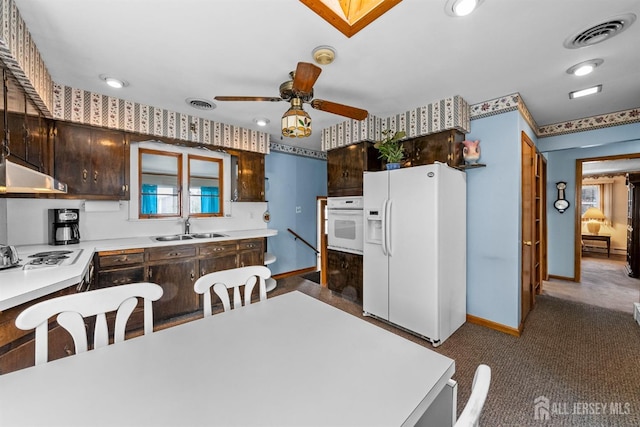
(93,162)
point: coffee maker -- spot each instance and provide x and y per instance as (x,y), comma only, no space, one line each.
(64,226)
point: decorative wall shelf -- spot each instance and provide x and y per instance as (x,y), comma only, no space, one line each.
(471,166)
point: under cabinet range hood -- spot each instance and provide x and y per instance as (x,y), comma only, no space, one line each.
(15,178)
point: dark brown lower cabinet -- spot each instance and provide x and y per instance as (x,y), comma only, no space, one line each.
(17,347)
(344,274)
(176,279)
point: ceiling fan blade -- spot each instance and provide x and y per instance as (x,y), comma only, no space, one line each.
(305,77)
(248,98)
(340,109)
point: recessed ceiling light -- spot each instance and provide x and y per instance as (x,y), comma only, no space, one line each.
(113,82)
(585,92)
(261,121)
(585,67)
(459,8)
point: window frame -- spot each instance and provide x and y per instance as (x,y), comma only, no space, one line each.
(221,180)
(179,160)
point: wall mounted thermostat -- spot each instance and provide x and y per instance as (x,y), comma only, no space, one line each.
(561,204)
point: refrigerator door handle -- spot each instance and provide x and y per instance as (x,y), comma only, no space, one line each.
(387,227)
(384,228)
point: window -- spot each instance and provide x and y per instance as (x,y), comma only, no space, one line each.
(178,181)
(591,197)
(160,189)
(205,191)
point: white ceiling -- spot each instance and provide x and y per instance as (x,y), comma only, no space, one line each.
(415,54)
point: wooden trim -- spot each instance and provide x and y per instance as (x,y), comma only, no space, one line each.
(295,272)
(494,325)
(348,28)
(577,241)
(569,279)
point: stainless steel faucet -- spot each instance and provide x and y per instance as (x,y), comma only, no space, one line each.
(187,225)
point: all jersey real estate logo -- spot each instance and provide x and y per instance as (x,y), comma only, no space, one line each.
(544,409)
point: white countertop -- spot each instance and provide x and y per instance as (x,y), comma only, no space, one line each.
(18,286)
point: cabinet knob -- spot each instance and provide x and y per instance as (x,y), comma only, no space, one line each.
(85,174)
(193,276)
(95,176)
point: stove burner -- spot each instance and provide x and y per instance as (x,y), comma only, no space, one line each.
(56,254)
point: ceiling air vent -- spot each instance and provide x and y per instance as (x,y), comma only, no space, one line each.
(201,104)
(600,32)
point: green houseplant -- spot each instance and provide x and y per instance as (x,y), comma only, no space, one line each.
(390,147)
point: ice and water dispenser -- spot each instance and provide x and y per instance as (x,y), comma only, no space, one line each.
(373,231)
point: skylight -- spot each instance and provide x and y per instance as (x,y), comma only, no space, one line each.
(350,16)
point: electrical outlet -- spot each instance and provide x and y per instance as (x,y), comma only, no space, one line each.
(298,209)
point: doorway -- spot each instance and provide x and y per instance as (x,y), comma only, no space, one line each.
(600,274)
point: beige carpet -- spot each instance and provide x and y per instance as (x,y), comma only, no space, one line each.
(576,356)
(604,282)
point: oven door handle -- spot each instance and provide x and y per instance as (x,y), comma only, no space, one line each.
(338,212)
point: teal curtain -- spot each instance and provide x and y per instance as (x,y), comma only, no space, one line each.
(149,202)
(209,200)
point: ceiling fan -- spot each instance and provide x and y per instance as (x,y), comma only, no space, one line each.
(296,122)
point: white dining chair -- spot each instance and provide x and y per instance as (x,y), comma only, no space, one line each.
(470,415)
(223,280)
(72,309)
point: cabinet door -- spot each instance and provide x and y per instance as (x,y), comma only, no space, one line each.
(344,274)
(344,170)
(72,151)
(250,177)
(251,252)
(108,161)
(92,162)
(444,147)
(176,279)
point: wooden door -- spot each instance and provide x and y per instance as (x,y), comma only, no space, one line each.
(250,177)
(176,279)
(72,154)
(527,225)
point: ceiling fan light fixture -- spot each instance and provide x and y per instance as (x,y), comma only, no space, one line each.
(460,8)
(324,55)
(585,67)
(296,123)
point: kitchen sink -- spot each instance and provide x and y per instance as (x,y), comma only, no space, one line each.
(174,237)
(207,235)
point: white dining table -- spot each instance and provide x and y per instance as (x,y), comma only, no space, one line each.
(290,360)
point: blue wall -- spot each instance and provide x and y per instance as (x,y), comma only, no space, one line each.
(493,221)
(293,181)
(561,153)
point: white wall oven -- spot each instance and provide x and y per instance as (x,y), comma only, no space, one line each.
(345,217)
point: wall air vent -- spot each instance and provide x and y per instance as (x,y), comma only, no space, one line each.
(201,104)
(600,32)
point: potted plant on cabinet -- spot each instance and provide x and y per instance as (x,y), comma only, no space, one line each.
(390,147)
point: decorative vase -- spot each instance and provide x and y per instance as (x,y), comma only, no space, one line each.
(393,166)
(471,151)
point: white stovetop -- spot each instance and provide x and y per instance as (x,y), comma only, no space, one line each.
(18,286)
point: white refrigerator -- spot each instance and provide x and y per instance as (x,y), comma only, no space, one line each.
(415,249)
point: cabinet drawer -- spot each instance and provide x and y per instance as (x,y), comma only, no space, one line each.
(118,258)
(171,252)
(215,249)
(250,244)
(122,276)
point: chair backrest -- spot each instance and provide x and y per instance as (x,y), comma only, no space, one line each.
(480,387)
(223,280)
(72,309)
